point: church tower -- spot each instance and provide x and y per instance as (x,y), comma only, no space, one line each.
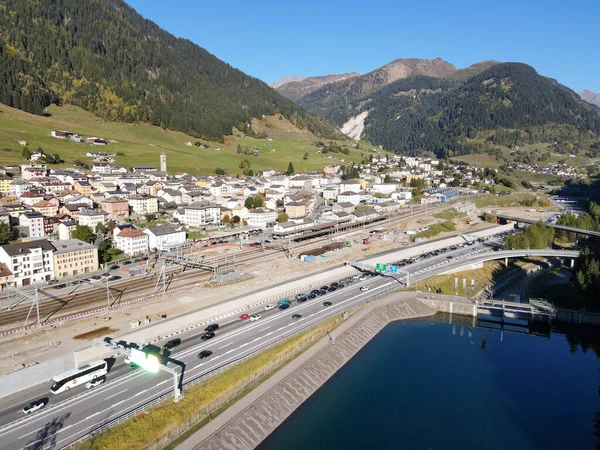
(163,162)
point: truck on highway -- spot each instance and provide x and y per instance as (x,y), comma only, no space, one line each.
(283,304)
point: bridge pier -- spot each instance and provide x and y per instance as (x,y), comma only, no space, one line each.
(572,262)
(506,261)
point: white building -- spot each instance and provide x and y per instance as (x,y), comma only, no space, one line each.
(349,197)
(19,187)
(131,241)
(33,222)
(143,204)
(91,217)
(261,217)
(165,237)
(30,262)
(198,214)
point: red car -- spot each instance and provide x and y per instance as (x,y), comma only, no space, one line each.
(243,317)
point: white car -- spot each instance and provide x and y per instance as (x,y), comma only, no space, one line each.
(356,277)
(364,288)
(362,278)
(268,307)
(34,406)
(95,382)
(254,317)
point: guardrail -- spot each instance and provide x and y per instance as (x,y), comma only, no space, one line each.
(214,372)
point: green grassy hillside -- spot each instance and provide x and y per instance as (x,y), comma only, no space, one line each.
(142,144)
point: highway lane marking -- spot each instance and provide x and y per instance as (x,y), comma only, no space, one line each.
(322,311)
(141,392)
(266,328)
(235,333)
(259,345)
(163,382)
(226,345)
(114,395)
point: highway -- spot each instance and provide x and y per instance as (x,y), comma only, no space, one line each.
(74,414)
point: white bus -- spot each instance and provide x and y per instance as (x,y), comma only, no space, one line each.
(78,377)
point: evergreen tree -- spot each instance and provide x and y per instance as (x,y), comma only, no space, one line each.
(290,169)
(26,154)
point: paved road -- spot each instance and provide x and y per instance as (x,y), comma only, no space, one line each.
(73,414)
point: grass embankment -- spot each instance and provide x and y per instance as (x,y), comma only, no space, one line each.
(517,199)
(445,284)
(436,229)
(142,144)
(212,395)
(449,214)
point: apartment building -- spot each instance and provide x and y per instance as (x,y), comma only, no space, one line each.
(74,257)
(131,241)
(32,223)
(29,262)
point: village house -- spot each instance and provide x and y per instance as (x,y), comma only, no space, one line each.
(261,217)
(46,208)
(143,204)
(91,218)
(198,214)
(131,241)
(116,208)
(165,237)
(83,187)
(295,210)
(32,223)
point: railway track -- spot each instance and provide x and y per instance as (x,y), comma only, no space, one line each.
(84,298)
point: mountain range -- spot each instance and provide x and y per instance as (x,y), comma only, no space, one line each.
(589,96)
(418,105)
(102,56)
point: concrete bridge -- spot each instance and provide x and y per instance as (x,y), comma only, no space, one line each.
(517,220)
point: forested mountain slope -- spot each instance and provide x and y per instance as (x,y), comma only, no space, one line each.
(104,57)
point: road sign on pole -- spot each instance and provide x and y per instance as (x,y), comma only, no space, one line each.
(145,360)
(381,267)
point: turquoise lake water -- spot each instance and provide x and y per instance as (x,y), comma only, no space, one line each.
(420,384)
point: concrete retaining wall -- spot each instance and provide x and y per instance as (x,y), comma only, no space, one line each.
(450,304)
(578,317)
(34,375)
(256,421)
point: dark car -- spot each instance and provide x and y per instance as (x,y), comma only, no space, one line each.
(204,354)
(145,258)
(323,292)
(449,257)
(60,286)
(335,284)
(126,263)
(312,296)
(332,288)
(327,303)
(34,406)
(137,260)
(114,278)
(297,316)
(208,335)
(324,288)
(266,241)
(172,343)
(212,327)
(284,306)
(301,298)
(96,277)
(314,292)
(115,267)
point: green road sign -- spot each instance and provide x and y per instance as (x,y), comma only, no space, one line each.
(147,361)
(381,267)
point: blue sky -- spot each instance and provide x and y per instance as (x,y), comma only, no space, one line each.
(270,39)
